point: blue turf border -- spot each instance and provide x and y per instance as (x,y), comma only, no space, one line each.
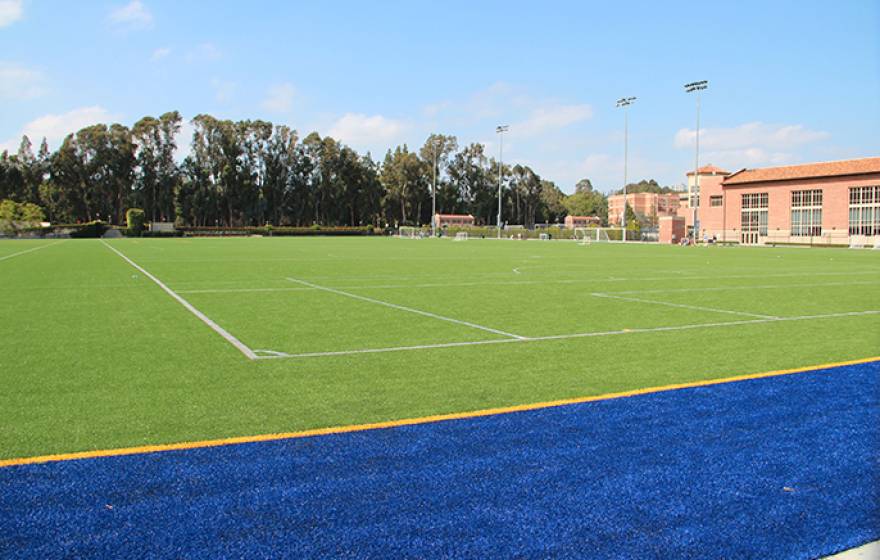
(781,467)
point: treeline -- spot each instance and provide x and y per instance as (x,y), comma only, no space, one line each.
(253,173)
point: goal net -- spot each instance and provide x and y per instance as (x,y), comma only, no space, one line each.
(409,232)
(461,236)
(585,236)
(857,241)
(544,237)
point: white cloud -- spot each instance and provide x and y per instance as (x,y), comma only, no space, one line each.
(132,15)
(205,52)
(10,12)
(184,140)
(361,130)
(160,53)
(18,82)
(223,90)
(750,144)
(279,99)
(54,127)
(545,119)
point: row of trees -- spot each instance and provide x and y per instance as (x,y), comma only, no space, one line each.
(253,173)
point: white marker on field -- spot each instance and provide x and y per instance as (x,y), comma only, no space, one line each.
(30,250)
(408,309)
(242,347)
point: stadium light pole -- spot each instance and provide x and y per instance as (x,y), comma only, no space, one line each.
(625,102)
(500,130)
(695,197)
(434,191)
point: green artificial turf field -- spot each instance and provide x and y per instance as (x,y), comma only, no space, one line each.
(96,355)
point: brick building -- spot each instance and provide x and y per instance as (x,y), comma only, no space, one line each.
(650,205)
(827,203)
(454,220)
(572,222)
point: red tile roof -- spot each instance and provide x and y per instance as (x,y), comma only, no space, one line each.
(710,170)
(806,171)
(458,216)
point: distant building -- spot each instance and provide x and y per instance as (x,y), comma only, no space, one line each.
(835,202)
(708,199)
(645,204)
(572,222)
(454,220)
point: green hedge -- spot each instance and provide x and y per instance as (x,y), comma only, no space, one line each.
(87,230)
(136,221)
(277,231)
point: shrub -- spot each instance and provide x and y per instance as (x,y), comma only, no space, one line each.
(89,230)
(136,221)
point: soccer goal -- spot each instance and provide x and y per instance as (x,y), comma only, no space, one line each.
(585,236)
(544,237)
(409,232)
(857,241)
(461,236)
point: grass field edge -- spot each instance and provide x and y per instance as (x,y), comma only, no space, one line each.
(237,440)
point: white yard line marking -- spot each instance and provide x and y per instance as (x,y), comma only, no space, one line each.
(283,355)
(516,271)
(683,306)
(748,287)
(31,250)
(409,309)
(242,347)
(536,282)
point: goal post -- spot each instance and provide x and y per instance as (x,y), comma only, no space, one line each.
(461,236)
(585,236)
(409,232)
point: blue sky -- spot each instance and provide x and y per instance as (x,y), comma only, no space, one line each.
(789,82)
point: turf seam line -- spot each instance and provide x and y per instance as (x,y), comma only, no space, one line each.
(682,305)
(283,355)
(408,309)
(31,250)
(157,448)
(242,347)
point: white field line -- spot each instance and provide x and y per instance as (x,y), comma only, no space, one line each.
(31,250)
(683,306)
(242,347)
(408,309)
(529,283)
(283,355)
(746,287)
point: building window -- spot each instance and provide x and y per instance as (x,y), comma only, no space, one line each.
(806,213)
(864,210)
(753,217)
(715,201)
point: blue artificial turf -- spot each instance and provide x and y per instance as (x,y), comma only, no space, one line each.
(783,467)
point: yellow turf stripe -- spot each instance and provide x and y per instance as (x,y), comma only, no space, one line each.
(408,421)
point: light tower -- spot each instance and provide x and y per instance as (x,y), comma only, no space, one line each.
(434,189)
(695,195)
(625,102)
(500,130)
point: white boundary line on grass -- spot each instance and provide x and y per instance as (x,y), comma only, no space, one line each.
(408,309)
(682,305)
(283,355)
(530,283)
(242,347)
(3,258)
